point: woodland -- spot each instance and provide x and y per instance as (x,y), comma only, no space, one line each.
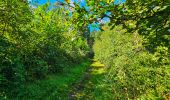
(85,50)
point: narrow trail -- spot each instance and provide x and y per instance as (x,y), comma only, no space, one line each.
(82,89)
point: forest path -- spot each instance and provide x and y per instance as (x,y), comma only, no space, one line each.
(83,89)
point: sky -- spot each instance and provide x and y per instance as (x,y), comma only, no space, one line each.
(42,1)
(93,26)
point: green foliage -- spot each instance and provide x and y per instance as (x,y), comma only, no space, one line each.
(35,42)
(140,48)
(133,72)
(150,18)
(56,86)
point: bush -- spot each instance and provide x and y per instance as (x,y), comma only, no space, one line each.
(133,72)
(35,42)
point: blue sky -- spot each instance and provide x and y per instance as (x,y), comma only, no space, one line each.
(93,26)
(42,1)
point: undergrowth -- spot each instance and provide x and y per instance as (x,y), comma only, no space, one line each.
(56,86)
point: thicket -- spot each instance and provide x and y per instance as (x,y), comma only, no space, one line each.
(35,41)
(138,54)
(132,71)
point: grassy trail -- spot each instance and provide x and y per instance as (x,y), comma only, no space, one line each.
(54,87)
(75,83)
(84,89)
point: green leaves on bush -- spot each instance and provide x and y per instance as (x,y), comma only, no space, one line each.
(35,42)
(133,72)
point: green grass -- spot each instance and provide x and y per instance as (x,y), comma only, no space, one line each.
(97,65)
(97,68)
(54,87)
(93,88)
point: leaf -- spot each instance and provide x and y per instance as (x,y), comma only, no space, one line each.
(109,1)
(68,1)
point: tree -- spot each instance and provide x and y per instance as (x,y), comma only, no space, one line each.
(150,18)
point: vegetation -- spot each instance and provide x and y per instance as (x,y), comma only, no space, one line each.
(34,43)
(54,86)
(87,88)
(46,47)
(132,72)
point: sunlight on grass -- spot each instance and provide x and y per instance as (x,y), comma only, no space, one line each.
(97,64)
(98,71)
(97,67)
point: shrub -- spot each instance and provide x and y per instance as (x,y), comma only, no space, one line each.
(133,72)
(35,42)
